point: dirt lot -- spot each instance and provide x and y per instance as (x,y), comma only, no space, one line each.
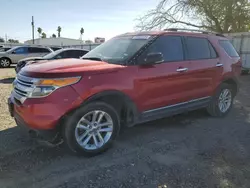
(189,150)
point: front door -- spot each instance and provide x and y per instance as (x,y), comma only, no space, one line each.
(164,84)
(18,54)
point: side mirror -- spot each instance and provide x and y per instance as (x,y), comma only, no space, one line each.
(154,58)
(13,52)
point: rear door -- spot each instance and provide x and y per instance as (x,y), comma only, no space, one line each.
(164,84)
(205,66)
(38,51)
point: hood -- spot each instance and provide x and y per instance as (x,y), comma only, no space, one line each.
(31,59)
(68,67)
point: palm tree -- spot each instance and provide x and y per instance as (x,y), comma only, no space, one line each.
(39,30)
(59,29)
(53,35)
(44,35)
(81,32)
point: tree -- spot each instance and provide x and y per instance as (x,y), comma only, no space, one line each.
(53,35)
(39,30)
(1,40)
(59,29)
(81,32)
(44,35)
(13,41)
(221,16)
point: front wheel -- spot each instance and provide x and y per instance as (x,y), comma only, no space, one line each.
(91,129)
(4,62)
(222,101)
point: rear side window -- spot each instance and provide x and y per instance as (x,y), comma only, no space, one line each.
(197,48)
(170,47)
(228,47)
(44,50)
(38,50)
(81,53)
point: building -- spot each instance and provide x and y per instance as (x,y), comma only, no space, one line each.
(99,40)
(59,41)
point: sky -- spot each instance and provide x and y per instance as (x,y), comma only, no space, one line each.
(99,18)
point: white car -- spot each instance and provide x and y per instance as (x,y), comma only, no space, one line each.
(17,53)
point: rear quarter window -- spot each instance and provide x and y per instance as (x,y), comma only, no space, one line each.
(228,47)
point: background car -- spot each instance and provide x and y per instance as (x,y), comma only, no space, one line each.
(4,49)
(59,54)
(15,54)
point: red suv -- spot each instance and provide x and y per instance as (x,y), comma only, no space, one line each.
(130,79)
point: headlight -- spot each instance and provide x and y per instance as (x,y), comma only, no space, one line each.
(43,87)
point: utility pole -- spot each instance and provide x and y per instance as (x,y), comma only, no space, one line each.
(32,25)
(6,38)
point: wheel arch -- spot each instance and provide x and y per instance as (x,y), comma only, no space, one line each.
(234,83)
(123,103)
(6,58)
(128,112)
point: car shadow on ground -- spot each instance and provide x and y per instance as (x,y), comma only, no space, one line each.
(7,80)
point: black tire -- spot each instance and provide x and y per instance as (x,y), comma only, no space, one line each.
(213,108)
(5,64)
(71,123)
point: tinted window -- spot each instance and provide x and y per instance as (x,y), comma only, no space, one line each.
(212,51)
(20,50)
(170,47)
(228,47)
(81,53)
(38,50)
(44,50)
(197,48)
(65,54)
(55,48)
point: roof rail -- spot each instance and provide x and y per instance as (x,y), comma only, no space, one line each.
(194,30)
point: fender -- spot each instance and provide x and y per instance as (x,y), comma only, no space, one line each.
(130,104)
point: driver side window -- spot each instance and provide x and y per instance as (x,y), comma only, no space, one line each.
(21,50)
(170,46)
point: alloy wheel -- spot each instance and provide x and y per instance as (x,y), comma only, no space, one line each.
(94,130)
(225,100)
(5,62)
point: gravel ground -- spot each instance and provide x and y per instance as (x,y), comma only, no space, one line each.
(188,150)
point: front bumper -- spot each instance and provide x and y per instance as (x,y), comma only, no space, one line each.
(43,115)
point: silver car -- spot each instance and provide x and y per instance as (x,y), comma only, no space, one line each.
(15,54)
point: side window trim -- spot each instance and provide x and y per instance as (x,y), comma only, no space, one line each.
(210,45)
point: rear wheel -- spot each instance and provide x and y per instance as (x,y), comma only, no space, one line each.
(222,101)
(5,62)
(91,129)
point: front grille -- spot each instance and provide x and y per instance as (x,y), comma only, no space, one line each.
(23,87)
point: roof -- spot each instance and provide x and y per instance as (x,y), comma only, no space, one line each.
(174,31)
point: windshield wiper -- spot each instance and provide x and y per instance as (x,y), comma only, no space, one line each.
(93,58)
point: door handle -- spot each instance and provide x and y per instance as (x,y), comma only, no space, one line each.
(181,69)
(219,65)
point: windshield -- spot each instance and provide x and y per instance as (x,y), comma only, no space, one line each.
(119,49)
(51,55)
